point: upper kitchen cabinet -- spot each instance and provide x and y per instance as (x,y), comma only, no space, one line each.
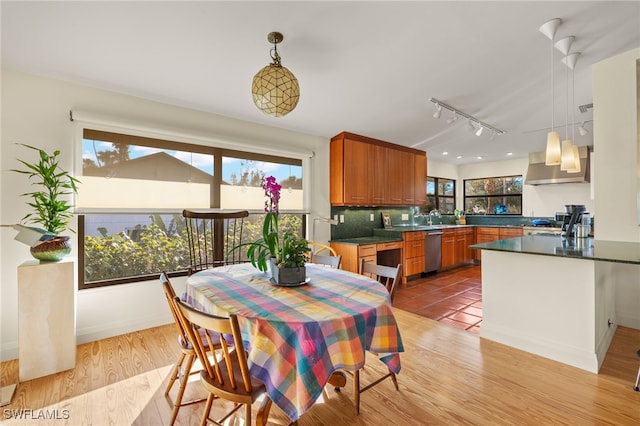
(370,172)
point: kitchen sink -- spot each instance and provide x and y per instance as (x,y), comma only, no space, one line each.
(427,227)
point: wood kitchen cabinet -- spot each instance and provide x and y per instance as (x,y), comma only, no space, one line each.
(455,246)
(388,253)
(351,165)
(488,234)
(448,248)
(369,172)
(420,179)
(413,259)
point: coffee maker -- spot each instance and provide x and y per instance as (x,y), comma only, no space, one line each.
(572,216)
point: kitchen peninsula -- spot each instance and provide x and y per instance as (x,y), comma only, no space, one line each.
(554,297)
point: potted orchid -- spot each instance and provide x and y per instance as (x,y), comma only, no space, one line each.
(284,255)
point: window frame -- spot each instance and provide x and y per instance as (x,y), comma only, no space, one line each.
(492,196)
(169,139)
(439,196)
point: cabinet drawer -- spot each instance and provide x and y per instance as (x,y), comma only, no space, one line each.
(389,246)
(413,249)
(411,236)
(510,233)
(368,259)
(488,232)
(368,250)
(414,266)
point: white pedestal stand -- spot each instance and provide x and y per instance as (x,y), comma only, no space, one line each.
(46,317)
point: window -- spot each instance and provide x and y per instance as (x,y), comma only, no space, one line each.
(441,195)
(133,190)
(498,195)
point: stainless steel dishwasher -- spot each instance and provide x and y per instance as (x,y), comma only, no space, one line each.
(432,251)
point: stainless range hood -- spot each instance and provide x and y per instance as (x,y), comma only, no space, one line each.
(540,174)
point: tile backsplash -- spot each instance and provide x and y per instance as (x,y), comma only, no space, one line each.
(358,223)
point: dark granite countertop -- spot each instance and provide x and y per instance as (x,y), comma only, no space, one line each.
(580,248)
(369,240)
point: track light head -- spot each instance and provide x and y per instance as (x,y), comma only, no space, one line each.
(438,112)
(470,126)
(479,131)
(583,130)
(453,118)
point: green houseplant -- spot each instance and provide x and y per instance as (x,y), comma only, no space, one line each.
(284,255)
(51,208)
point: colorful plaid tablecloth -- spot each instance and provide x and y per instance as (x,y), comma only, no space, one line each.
(298,336)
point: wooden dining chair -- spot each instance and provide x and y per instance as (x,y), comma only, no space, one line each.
(321,248)
(323,259)
(390,277)
(225,376)
(212,235)
(183,368)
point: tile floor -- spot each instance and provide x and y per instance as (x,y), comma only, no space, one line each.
(453,297)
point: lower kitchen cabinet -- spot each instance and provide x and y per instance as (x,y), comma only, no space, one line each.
(413,259)
(455,246)
(448,248)
(488,234)
(387,253)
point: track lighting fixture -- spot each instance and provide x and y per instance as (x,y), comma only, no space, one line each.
(438,112)
(479,131)
(583,130)
(471,126)
(456,112)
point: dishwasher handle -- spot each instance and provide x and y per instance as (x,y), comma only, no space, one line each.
(434,233)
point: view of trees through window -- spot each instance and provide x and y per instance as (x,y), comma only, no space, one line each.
(157,179)
(489,196)
(441,195)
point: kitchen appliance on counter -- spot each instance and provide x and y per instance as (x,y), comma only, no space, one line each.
(571,217)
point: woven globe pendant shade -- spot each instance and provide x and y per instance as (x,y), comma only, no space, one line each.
(275,90)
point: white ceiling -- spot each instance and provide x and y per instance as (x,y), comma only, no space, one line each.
(363,67)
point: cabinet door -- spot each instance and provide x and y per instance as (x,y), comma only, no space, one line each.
(448,249)
(420,177)
(469,239)
(357,169)
(485,235)
(408,173)
(394,180)
(379,175)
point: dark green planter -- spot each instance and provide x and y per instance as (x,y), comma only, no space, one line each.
(287,276)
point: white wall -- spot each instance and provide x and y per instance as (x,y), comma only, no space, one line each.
(537,200)
(35,111)
(615,134)
(616,185)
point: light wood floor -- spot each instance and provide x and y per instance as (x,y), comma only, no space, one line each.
(449,377)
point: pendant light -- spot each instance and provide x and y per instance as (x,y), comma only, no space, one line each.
(275,89)
(567,158)
(553,150)
(570,62)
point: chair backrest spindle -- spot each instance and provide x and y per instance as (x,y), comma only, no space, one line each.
(211,235)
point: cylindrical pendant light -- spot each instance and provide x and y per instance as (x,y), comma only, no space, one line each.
(570,61)
(567,159)
(553,151)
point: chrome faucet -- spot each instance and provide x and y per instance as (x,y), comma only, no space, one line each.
(433,213)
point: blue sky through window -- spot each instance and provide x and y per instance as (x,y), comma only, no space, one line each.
(201,161)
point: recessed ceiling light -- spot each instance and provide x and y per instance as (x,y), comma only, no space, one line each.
(509,153)
(459,157)
(445,153)
(479,157)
